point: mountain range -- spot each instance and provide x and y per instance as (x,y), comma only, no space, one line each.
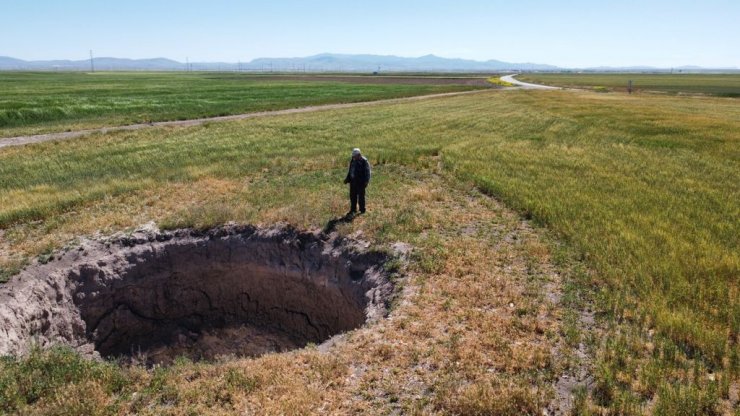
(371,63)
(325,62)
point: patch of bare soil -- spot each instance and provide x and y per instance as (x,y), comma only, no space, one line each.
(235,290)
(403,80)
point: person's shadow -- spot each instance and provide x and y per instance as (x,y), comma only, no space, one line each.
(332,224)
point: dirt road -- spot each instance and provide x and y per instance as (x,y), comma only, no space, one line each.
(38,138)
(526,85)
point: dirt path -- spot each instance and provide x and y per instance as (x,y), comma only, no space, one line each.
(38,138)
(526,85)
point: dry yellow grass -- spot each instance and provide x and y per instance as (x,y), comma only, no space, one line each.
(472,331)
(642,187)
(465,338)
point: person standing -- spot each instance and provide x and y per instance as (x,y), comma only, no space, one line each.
(358,176)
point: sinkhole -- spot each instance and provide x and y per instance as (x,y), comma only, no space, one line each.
(152,296)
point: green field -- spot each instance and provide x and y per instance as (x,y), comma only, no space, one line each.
(32,103)
(721,85)
(642,190)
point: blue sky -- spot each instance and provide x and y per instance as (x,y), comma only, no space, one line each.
(573,33)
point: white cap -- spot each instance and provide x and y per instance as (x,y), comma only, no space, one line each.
(356,151)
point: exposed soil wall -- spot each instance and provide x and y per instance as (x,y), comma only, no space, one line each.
(235,290)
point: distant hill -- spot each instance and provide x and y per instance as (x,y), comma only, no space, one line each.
(102,63)
(316,63)
(325,62)
(370,63)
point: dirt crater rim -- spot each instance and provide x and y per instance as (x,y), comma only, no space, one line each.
(235,290)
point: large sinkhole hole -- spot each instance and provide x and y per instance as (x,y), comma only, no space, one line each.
(238,291)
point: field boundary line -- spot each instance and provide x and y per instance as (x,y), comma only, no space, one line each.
(39,138)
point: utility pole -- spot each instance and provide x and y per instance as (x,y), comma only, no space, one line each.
(92,63)
(187,64)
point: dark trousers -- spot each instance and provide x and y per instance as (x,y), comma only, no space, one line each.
(357,194)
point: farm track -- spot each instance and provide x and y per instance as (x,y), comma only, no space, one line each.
(39,138)
(527,85)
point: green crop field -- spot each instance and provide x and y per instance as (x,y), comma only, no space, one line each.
(633,202)
(32,103)
(722,85)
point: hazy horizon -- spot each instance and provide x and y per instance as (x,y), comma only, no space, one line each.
(579,34)
(86,59)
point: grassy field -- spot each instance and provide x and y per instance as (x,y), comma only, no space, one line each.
(642,191)
(32,103)
(722,85)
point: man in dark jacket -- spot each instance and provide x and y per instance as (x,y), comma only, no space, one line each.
(358,177)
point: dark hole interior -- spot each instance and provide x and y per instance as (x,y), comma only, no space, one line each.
(232,295)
